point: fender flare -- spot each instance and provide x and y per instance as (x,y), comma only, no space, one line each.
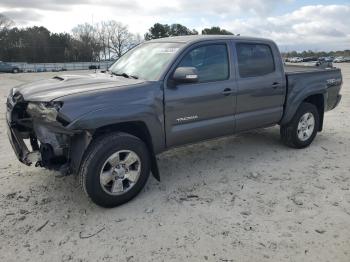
(293,107)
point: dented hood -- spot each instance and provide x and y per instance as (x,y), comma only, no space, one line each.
(59,86)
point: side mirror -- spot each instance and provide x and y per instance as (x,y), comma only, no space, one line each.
(186,75)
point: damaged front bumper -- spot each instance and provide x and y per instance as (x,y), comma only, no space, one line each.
(20,148)
(38,137)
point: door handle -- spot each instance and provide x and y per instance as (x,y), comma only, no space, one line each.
(275,85)
(227,91)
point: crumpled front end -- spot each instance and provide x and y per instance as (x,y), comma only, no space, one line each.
(38,134)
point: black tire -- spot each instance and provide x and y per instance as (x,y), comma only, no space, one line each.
(96,155)
(289,132)
(15,70)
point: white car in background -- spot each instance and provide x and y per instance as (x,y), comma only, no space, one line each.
(339,59)
(296,60)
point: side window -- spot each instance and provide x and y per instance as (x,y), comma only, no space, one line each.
(254,60)
(211,62)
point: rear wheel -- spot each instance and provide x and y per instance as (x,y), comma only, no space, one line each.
(115,169)
(15,70)
(302,129)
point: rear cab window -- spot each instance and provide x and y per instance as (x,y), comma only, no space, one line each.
(254,59)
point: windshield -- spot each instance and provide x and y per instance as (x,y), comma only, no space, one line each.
(145,61)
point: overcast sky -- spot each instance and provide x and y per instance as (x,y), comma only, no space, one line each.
(293,24)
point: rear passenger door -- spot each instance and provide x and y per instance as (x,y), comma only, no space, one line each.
(261,85)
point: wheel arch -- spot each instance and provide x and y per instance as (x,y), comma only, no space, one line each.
(80,143)
(318,99)
(135,128)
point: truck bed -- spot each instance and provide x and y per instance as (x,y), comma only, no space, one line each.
(313,79)
(290,69)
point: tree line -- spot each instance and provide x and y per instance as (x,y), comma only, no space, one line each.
(106,40)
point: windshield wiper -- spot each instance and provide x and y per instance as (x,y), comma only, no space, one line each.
(135,77)
(125,75)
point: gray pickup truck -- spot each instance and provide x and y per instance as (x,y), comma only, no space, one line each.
(108,127)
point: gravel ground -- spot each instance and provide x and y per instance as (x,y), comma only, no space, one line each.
(241,198)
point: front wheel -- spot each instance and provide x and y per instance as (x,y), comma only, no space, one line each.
(303,127)
(115,168)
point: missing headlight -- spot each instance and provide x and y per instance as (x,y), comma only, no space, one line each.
(44,111)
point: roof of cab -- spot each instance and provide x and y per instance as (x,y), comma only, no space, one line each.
(189,39)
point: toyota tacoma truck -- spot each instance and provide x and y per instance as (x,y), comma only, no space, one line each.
(108,127)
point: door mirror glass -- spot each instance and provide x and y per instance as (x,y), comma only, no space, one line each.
(186,75)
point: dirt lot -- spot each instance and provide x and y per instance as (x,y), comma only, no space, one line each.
(242,198)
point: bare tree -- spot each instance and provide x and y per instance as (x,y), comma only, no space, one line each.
(120,39)
(88,42)
(5,22)
(103,39)
(114,38)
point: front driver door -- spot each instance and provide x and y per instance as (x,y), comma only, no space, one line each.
(202,110)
